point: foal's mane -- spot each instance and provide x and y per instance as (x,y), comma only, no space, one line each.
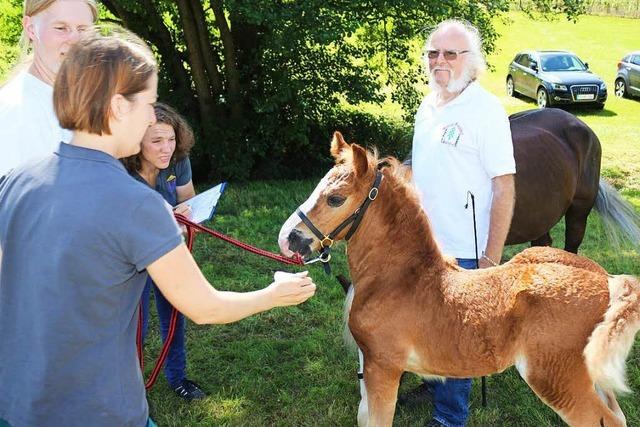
(406,201)
(397,173)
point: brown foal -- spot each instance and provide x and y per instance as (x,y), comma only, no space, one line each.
(563,322)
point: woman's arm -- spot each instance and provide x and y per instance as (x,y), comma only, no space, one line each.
(183,284)
(185,192)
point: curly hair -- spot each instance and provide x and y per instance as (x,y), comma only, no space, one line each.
(184,137)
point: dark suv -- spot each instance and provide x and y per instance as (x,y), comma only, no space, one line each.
(554,78)
(628,78)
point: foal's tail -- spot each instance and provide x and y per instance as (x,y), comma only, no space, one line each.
(612,339)
(621,221)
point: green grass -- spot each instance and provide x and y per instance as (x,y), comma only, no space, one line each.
(288,367)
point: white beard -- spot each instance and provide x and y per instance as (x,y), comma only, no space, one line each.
(454,85)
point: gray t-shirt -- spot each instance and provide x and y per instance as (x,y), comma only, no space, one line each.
(76,234)
(176,175)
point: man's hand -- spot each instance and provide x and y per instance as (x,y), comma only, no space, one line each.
(486,262)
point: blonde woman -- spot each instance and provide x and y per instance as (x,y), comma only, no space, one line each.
(28,124)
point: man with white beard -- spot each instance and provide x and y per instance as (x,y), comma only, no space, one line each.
(461,145)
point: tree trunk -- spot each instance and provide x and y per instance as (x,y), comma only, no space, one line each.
(196,60)
(210,57)
(230,61)
(152,28)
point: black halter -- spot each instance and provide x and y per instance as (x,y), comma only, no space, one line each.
(326,240)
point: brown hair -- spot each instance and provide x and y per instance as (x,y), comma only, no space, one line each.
(34,7)
(97,68)
(184,136)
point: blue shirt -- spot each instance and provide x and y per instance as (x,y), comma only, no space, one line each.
(76,234)
(176,175)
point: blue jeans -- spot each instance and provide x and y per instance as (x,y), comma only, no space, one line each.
(451,398)
(176,362)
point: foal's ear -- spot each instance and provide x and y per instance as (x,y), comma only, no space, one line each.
(337,145)
(360,161)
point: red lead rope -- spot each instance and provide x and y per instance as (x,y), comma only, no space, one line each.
(192,227)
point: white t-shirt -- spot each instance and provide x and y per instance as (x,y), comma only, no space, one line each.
(457,148)
(28,125)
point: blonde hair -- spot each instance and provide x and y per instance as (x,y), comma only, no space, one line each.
(97,68)
(34,7)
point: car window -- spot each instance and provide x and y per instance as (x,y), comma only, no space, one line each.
(523,60)
(562,62)
(635,59)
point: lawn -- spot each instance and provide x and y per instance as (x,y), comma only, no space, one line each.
(288,367)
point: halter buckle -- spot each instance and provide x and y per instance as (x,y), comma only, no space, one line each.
(325,257)
(324,245)
(373,193)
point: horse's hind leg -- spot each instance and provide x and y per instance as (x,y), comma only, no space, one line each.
(544,240)
(563,383)
(381,384)
(575,221)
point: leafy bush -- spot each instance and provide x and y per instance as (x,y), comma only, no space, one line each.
(302,149)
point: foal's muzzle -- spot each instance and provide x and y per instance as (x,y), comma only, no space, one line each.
(298,242)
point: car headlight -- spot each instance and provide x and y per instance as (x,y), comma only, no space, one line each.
(603,86)
(557,86)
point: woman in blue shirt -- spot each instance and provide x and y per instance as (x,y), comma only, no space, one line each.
(69,308)
(163,164)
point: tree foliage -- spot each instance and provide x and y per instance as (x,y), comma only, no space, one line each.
(264,81)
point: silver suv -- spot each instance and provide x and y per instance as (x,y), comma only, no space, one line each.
(628,78)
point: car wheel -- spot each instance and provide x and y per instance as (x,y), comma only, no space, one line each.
(620,88)
(543,98)
(510,89)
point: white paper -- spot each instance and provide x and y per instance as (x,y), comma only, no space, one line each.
(204,204)
(281,276)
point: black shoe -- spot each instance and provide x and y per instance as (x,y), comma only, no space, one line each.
(419,395)
(434,423)
(188,390)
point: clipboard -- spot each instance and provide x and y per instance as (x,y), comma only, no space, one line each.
(203,205)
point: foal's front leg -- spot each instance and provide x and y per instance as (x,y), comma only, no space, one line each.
(381,383)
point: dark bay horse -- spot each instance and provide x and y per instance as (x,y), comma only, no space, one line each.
(565,324)
(558,174)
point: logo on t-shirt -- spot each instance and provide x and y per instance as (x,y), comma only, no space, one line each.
(171,183)
(451,134)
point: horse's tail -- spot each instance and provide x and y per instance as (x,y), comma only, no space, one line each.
(349,342)
(612,339)
(621,221)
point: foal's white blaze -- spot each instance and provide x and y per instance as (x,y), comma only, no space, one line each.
(294,219)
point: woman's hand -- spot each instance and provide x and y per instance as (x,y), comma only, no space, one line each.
(291,289)
(183,209)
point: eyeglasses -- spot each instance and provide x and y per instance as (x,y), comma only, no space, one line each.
(449,54)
